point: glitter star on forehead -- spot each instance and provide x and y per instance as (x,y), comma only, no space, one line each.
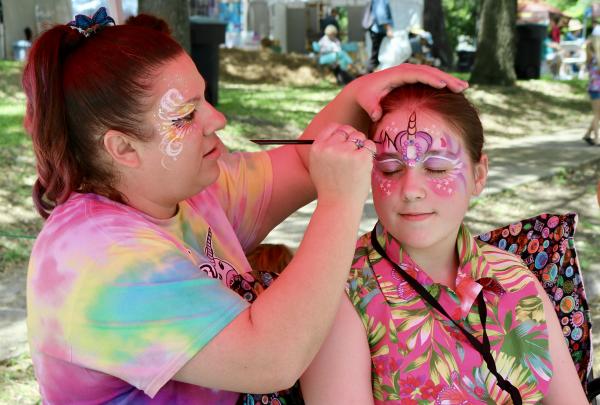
(412,144)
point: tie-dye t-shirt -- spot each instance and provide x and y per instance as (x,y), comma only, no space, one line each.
(118,302)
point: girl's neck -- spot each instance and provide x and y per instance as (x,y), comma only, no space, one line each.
(440,261)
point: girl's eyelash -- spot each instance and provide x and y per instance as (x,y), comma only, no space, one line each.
(436,172)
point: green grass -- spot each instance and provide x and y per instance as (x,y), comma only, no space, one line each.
(17,382)
(260,111)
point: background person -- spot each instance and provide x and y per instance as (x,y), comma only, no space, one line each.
(330,19)
(382,26)
(332,54)
(593,66)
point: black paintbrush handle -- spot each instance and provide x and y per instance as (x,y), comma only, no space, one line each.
(282,141)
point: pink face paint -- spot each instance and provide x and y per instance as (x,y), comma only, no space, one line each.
(447,168)
(175,118)
(444,167)
(385,185)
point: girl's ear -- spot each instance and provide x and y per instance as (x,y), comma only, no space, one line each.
(480,171)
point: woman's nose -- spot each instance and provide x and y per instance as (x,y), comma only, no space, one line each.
(215,120)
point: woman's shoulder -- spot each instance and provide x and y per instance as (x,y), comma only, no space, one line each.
(88,221)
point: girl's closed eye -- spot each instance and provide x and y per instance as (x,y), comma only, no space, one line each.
(439,166)
(389,166)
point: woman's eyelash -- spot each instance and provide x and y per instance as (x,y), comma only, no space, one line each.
(182,121)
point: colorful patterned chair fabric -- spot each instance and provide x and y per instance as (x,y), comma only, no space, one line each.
(546,245)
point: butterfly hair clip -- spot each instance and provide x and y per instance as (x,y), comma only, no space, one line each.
(88,25)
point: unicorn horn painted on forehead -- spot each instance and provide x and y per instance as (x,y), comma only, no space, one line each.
(412,124)
(413,144)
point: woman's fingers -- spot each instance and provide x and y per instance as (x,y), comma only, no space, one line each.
(339,168)
(372,88)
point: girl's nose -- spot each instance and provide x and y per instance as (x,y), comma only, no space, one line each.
(413,187)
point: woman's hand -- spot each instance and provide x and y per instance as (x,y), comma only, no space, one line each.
(371,88)
(340,165)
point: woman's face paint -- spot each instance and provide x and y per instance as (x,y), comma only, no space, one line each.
(435,154)
(176,119)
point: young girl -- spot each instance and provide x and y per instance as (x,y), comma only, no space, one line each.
(434,316)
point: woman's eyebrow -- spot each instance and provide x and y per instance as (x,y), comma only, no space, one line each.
(193,100)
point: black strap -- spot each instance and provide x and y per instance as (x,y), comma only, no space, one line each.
(483,348)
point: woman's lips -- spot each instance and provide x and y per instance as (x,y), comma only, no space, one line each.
(421,216)
(213,153)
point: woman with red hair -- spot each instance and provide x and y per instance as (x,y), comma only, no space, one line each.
(138,287)
(433,315)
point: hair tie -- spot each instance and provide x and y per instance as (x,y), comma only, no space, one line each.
(88,25)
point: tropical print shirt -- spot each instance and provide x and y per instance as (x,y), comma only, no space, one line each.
(118,301)
(419,357)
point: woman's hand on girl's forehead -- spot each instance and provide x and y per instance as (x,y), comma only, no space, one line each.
(370,89)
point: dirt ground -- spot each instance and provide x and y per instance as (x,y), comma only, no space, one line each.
(268,67)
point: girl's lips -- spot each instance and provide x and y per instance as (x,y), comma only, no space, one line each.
(416,216)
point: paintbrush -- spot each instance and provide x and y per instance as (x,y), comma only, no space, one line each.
(358,142)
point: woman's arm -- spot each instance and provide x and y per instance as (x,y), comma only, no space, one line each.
(356,105)
(565,386)
(267,347)
(341,371)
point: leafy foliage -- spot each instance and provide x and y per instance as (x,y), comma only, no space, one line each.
(461,18)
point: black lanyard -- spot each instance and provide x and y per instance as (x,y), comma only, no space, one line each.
(483,348)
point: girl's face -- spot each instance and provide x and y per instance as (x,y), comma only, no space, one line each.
(182,157)
(423,178)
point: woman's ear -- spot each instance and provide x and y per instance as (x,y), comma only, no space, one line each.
(480,171)
(121,148)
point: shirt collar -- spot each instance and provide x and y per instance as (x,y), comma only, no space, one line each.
(473,274)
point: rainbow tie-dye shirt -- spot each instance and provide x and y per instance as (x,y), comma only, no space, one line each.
(118,302)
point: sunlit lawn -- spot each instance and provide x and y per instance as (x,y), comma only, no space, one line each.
(253,110)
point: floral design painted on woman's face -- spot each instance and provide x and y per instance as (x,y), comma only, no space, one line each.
(438,154)
(176,119)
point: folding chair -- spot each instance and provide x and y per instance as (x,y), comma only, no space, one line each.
(546,245)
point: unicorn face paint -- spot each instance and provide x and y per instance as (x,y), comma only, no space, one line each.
(422,179)
(399,150)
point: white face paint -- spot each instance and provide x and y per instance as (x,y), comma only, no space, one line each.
(175,118)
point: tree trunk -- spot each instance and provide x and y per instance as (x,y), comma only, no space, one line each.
(434,22)
(495,58)
(175,12)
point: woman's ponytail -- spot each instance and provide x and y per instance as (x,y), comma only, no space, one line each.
(46,119)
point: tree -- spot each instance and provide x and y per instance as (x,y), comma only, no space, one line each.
(460,17)
(433,21)
(175,12)
(495,58)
